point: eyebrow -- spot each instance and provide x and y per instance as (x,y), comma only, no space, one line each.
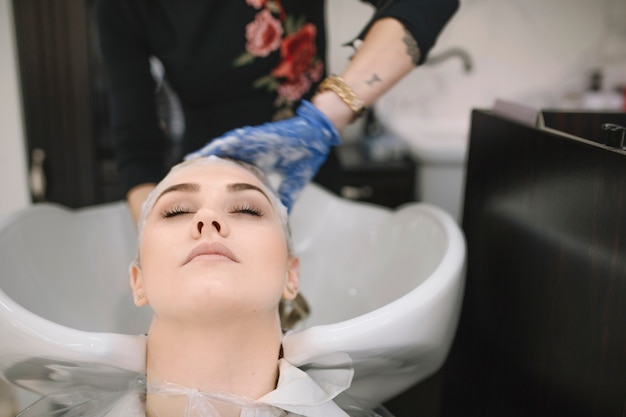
(192,187)
(189,187)
(243,186)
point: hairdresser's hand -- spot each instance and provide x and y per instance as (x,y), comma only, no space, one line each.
(294,148)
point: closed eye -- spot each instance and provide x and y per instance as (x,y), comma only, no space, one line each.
(174,211)
(247,209)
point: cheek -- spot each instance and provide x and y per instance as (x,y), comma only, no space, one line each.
(157,254)
(272,261)
(270,243)
(158,242)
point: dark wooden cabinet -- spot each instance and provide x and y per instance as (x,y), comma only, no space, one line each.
(543,327)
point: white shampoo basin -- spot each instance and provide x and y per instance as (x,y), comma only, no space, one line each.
(385,288)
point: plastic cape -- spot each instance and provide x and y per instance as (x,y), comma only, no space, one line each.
(299,392)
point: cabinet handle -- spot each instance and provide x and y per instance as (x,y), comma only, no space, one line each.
(357,193)
(37,175)
(615,136)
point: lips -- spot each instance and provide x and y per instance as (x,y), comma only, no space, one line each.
(211,251)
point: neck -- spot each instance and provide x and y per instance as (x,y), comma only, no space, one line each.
(239,358)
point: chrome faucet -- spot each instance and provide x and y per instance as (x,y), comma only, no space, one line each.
(451,52)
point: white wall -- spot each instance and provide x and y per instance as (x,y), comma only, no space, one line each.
(13,167)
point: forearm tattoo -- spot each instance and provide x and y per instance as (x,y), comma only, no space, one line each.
(411,47)
(375,78)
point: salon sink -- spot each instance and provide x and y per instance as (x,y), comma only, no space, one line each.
(385,288)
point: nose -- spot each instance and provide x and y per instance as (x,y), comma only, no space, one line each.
(214,223)
(209,221)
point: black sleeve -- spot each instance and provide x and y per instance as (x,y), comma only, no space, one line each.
(424,19)
(139,140)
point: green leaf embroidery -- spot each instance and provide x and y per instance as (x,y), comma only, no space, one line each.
(292,25)
(245,58)
(274,7)
(300,23)
(267,81)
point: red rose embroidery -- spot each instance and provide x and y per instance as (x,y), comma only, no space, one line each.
(297,53)
(263,34)
(298,67)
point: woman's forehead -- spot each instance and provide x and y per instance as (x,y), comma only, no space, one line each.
(212,173)
(218,173)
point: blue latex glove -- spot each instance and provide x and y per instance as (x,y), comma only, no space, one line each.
(294,148)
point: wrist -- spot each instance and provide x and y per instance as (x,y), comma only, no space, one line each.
(344,91)
(339,114)
(338,86)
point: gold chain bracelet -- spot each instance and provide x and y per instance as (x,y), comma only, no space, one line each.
(337,85)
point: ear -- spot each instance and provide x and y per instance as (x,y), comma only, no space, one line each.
(293,279)
(136,284)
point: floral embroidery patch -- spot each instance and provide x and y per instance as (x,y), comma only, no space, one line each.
(272,29)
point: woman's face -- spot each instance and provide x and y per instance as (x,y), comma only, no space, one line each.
(213,243)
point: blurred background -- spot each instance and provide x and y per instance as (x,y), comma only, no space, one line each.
(559,54)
